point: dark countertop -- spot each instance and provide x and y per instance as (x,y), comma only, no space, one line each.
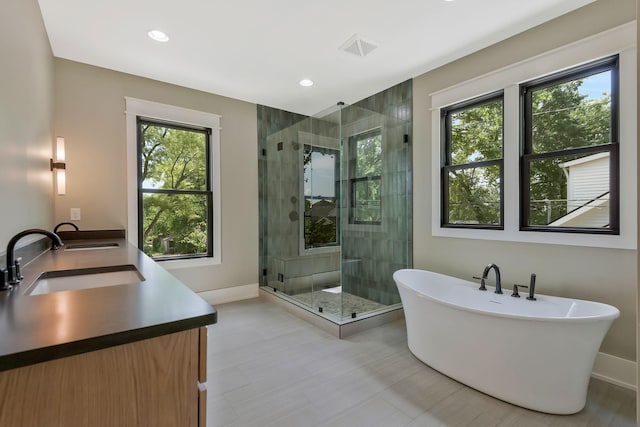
(38,328)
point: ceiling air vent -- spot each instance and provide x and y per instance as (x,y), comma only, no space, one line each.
(356,45)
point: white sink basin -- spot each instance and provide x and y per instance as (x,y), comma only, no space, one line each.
(70,280)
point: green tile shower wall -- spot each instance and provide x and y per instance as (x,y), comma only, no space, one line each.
(369,254)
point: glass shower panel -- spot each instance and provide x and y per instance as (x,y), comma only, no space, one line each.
(321,185)
(376,200)
(335,204)
(300,229)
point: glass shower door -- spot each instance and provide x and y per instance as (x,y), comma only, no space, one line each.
(320,228)
(376,203)
(336,203)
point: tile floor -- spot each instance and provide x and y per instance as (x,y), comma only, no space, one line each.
(269,368)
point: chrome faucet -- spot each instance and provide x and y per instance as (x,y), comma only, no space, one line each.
(485,273)
(55,230)
(13,265)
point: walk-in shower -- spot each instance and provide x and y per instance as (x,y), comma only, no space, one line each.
(335,204)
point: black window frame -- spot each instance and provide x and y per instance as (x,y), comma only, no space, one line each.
(446,160)
(527,156)
(208,192)
(354,180)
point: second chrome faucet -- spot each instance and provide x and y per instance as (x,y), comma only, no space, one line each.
(485,274)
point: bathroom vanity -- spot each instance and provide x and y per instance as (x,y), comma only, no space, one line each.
(119,354)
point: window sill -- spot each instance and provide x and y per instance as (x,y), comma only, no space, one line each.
(319,250)
(472,227)
(176,264)
(543,237)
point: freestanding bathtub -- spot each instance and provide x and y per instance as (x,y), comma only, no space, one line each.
(535,354)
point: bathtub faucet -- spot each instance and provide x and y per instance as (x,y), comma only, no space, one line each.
(485,274)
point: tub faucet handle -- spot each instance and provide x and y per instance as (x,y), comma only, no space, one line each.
(482,284)
(515,293)
(19,275)
(4,280)
(13,271)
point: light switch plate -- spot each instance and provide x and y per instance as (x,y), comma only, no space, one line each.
(74,215)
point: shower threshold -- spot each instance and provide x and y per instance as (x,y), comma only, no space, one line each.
(330,323)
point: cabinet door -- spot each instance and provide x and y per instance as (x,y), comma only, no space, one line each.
(202,366)
(202,405)
(146,383)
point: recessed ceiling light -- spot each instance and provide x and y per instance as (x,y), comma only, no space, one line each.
(159,36)
(306,82)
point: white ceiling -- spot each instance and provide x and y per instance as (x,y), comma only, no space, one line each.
(258,51)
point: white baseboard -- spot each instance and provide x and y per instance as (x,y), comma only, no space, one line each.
(236,293)
(615,370)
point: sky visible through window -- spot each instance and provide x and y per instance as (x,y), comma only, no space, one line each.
(320,176)
(597,86)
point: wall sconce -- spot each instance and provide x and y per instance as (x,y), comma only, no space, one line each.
(60,166)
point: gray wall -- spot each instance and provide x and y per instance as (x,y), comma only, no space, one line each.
(89,113)
(606,275)
(26,105)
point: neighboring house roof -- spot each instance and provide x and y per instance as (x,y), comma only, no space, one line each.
(583,160)
(587,215)
(587,192)
(323,209)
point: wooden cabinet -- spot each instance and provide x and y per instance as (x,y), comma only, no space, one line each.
(153,382)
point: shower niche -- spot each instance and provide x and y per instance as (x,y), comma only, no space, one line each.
(336,206)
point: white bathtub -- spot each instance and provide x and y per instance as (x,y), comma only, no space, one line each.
(535,354)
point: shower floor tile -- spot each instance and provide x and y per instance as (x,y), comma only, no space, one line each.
(334,301)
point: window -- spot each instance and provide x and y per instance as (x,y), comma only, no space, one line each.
(365,170)
(174,190)
(321,168)
(160,191)
(472,169)
(569,173)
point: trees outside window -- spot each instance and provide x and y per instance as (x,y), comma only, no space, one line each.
(365,178)
(569,174)
(174,190)
(472,166)
(569,159)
